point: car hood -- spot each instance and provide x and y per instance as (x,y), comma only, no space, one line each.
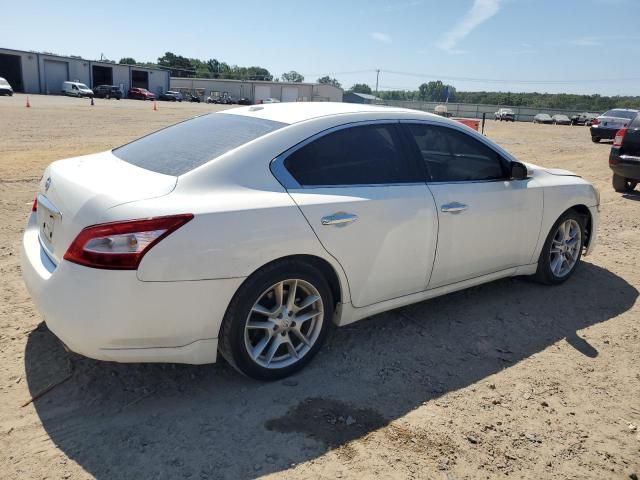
(552,171)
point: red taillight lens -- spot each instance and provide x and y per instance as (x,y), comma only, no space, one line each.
(34,207)
(595,121)
(617,142)
(121,245)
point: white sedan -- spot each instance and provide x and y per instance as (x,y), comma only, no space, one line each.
(249,231)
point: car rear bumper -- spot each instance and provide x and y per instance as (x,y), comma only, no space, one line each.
(624,165)
(603,132)
(111,315)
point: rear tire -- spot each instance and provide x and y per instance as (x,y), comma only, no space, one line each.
(623,185)
(562,250)
(258,336)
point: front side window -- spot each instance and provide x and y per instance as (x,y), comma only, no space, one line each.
(359,155)
(454,156)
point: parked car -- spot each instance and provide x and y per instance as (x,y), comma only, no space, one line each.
(244,101)
(505,114)
(138,93)
(192,98)
(107,91)
(120,258)
(76,89)
(171,96)
(269,100)
(624,158)
(212,99)
(607,125)
(583,119)
(560,119)
(542,118)
(5,88)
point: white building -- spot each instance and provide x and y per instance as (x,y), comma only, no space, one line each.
(256,90)
(32,72)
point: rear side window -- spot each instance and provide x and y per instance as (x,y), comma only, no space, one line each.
(454,156)
(362,155)
(180,148)
(620,114)
(635,123)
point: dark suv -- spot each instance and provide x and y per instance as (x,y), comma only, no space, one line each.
(107,91)
(624,158)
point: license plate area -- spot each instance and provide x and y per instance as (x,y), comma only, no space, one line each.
(49,218)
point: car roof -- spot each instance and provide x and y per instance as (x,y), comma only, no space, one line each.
(294,112)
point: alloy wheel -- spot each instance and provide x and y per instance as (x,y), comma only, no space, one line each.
(565,248)
(284,324)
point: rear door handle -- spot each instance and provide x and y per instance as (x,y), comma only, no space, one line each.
(339,218)
(454,207)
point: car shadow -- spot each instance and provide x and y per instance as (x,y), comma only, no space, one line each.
(168,421)
(635,195)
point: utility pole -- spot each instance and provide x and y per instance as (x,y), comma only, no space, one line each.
(377,77)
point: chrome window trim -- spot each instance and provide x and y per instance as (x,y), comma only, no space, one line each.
(287,180)
(475,135)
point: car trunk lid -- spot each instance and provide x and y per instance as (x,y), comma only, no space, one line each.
(76,193)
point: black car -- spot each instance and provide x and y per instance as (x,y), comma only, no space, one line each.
(624,158)
(171,96)
(608,124)
(244,101)
(191,98)
(585,118)
(107,91)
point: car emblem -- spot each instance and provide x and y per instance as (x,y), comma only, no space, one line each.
(47,184)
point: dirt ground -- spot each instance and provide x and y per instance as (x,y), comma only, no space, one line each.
(507,379)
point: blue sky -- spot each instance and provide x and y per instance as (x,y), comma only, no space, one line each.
(573,46)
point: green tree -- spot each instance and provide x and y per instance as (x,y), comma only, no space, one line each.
(361,88)
(436,92)
(327,80)
(127,61)
(292,76)
(179,66)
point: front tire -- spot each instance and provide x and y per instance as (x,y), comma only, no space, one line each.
(623,185)
(277,320)
(595,139)
(562,249)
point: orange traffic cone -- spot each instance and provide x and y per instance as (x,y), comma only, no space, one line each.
(155,107)
(28,105)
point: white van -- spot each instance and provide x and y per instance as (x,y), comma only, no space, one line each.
(5,88)
(76,89)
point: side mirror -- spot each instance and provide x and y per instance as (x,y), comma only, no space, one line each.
(518,171)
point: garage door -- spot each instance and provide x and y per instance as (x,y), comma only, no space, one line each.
(261,92)
(289,94)
(55,73)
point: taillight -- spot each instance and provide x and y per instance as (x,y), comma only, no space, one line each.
(34,207)
(121,245)
(595,121)
(617,142)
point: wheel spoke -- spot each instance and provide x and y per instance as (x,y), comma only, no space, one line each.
(556,263)
(292,350)
(257,308)
(261,325)
(278,291)
(301,336)
(307,316)
(310,300)
(291,297)
(273,348)
(260,346)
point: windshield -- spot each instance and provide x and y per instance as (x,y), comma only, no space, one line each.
(621,114)
(178,149)
(83,86)
(3,81)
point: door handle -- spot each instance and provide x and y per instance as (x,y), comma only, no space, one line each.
(454,207)
(339,218)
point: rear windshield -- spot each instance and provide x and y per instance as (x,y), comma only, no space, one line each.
(621,114)
(180,148)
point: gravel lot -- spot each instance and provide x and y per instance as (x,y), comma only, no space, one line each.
(510,378)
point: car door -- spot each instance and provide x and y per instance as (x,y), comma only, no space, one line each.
(369,206)
(487,221)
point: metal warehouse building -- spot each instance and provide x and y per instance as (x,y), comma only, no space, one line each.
(32,72)
(256,90)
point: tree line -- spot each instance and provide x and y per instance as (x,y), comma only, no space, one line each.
(437,91)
